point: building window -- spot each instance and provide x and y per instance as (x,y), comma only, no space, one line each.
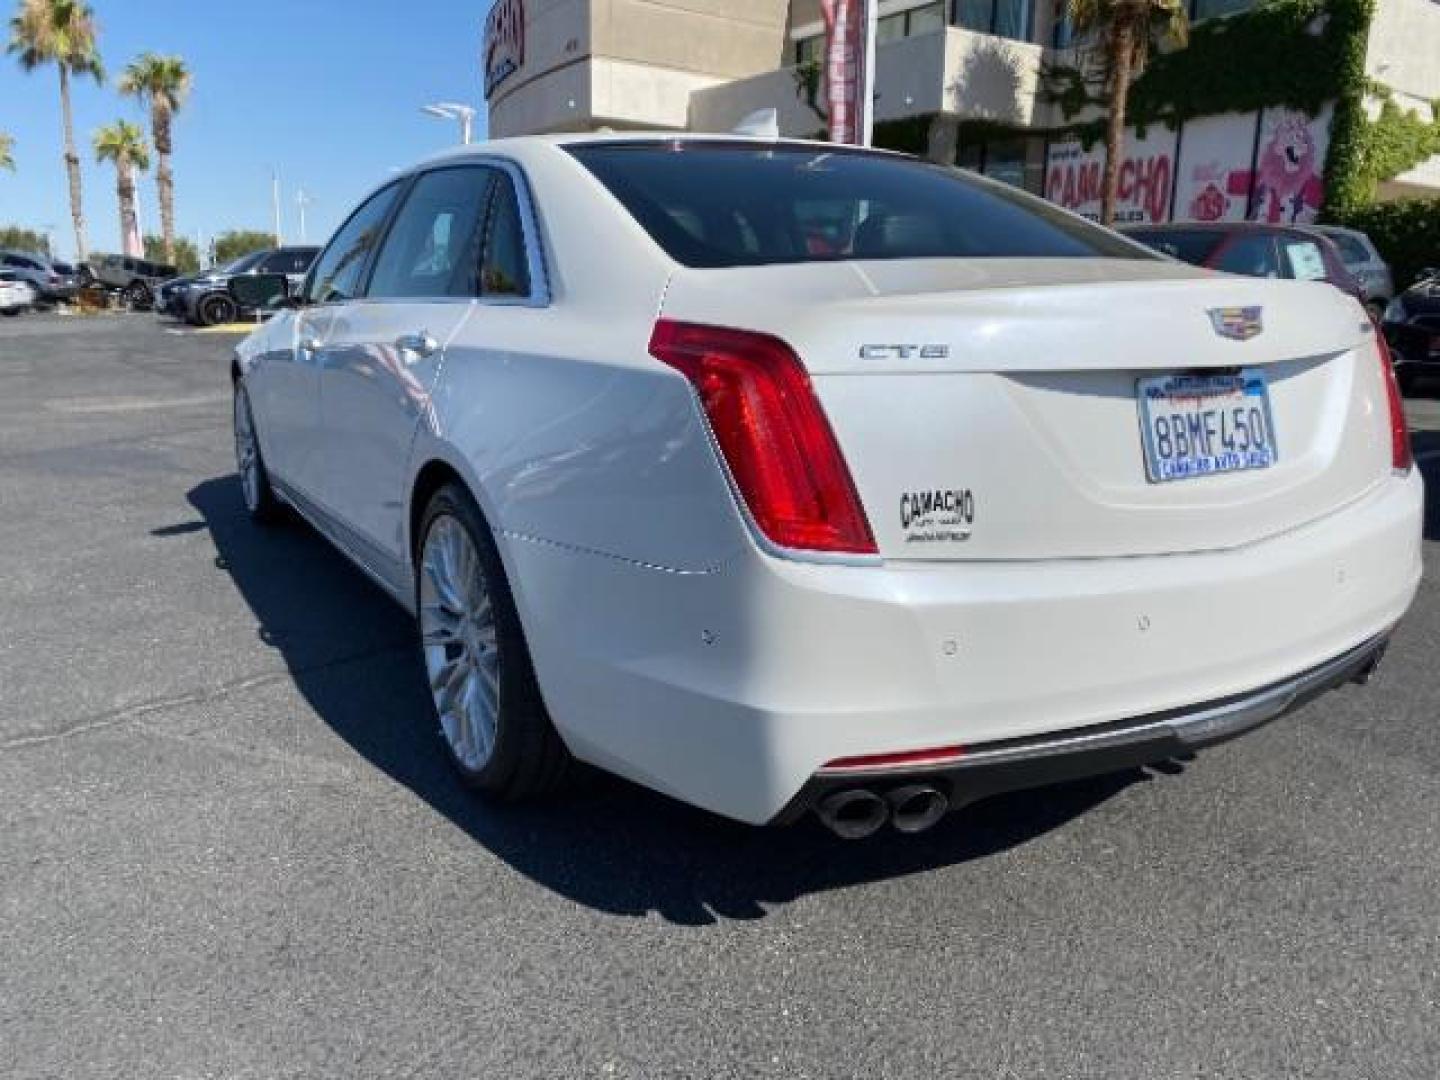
(890,28)
(925,20)
(1214,9)
(903,24)
(1017,160)
(1004,18)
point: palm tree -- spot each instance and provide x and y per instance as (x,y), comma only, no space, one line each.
(7,157)
(162,82)
(124,144)
(61,32)
(1125,31)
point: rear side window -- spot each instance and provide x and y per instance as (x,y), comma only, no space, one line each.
(1250,254)
(1352,251)
(1188,245)
(340,267)
(715,204)
(505,267)
(1304,260)
(434,246)
(288,262)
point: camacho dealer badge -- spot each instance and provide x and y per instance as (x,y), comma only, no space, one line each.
(939,516)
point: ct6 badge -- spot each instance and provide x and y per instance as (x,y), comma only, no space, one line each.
(904,352)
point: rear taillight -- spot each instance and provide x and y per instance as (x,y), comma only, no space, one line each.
(1401,458)
(772,433)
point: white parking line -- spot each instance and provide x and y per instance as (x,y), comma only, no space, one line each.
(129,404)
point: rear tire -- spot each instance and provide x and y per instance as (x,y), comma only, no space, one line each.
(137,295)
(482,683)
(216,309)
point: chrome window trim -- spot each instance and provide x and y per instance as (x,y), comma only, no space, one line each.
(401,187)
(535,263)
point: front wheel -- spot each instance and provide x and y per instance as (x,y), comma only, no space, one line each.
(260,499)
(482,683)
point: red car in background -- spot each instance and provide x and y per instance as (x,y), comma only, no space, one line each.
(1254,249)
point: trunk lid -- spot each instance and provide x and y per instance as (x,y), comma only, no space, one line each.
(988,408)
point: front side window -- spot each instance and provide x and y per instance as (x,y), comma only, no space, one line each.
(505,268)
(718,204)
(338,271)
(433,249)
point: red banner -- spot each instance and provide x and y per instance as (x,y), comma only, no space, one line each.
(844,67)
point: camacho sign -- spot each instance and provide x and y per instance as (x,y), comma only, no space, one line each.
(504,50)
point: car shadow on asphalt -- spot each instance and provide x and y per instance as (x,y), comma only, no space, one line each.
(606,844)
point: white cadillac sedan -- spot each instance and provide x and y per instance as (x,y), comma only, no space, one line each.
(783,477)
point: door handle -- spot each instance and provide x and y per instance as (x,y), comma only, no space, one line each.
(309,345)
(418,345)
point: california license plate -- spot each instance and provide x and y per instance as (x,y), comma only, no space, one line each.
(1202,424)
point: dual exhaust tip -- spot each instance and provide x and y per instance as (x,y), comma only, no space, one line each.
(855,813)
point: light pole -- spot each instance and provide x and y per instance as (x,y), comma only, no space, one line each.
(302,200)
(449,110)
(275,201)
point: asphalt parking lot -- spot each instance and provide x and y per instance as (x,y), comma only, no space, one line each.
(232,847)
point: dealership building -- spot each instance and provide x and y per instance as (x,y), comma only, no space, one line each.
(957,80)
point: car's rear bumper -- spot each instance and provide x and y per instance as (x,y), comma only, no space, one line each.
(1033,761)
(733,689)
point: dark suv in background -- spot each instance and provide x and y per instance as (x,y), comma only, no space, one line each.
(54,282)
(206,300)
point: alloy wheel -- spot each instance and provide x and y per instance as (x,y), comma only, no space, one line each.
(459,635)
(247,452)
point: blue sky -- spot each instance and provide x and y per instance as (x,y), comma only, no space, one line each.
(326,91)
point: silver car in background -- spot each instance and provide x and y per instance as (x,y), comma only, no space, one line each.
(1363,261)
(16,294)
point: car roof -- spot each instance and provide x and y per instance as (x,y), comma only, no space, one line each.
(566,139)
(1216,226)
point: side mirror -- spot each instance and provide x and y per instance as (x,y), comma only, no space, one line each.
(259,292)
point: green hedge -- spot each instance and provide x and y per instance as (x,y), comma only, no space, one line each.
(1407,232)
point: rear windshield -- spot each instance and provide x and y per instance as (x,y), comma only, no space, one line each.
(1189,245)
(727,204)
(1352,251)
